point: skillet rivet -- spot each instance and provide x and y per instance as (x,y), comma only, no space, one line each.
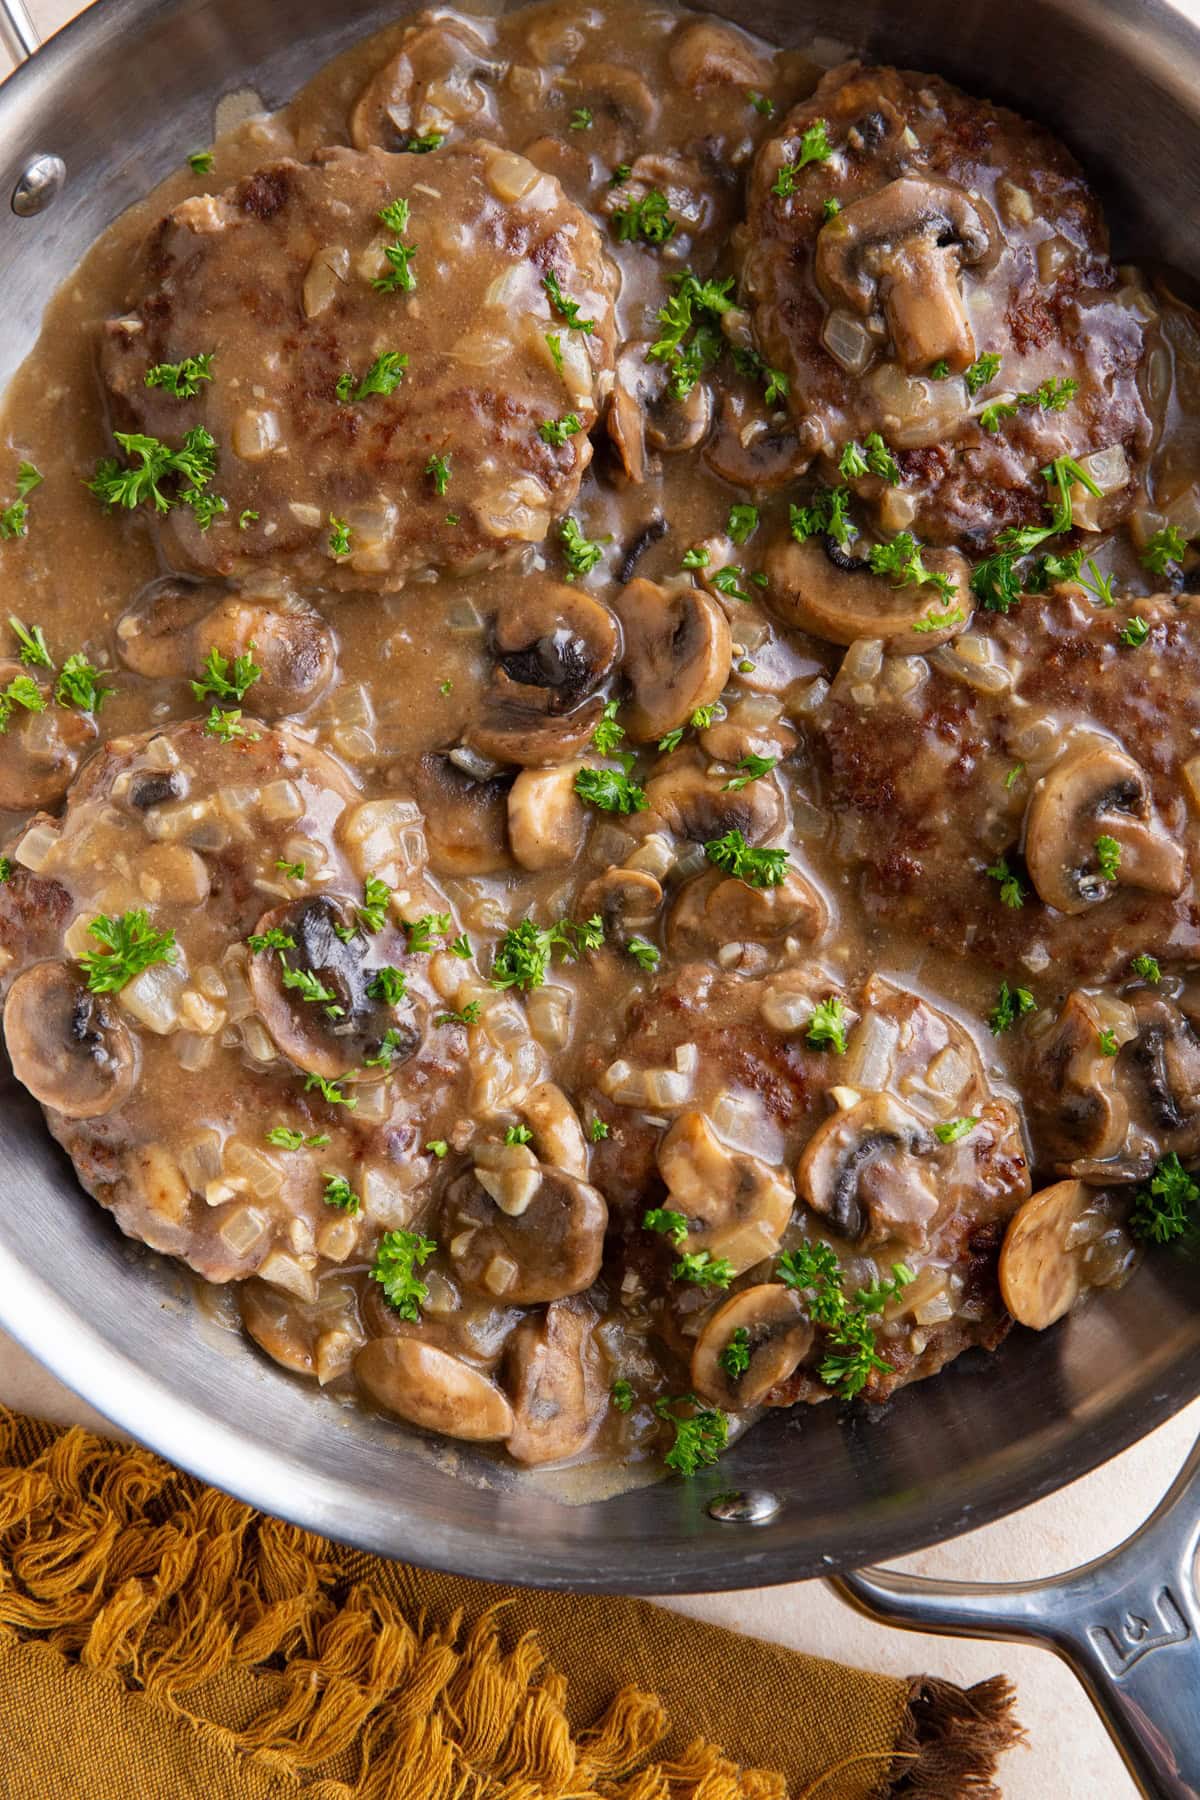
(39,182)
(744,1506)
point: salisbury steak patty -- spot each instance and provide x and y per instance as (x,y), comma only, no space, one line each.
(898,232)
(384,347)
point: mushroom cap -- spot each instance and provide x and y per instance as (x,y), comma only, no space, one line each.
(440,57)
(1087,1113)
(551,647)
(1093,791)
(42,750)
(551,1374)
(557,1133)
(737,1207)
(747,453)
(902,248)
(1040,1279)
(71,1049)
(780,1333)
(716,909)
(430,1388)
(466,820)
(625,900)
(677,654)
(550,1249)
(547,821)
(304,1031)
(869,1171)
(810,589)
(695,801)
(168,634)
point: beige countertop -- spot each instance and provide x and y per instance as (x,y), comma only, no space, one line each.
(1069,1754)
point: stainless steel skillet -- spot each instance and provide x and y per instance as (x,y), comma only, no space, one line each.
(120,97)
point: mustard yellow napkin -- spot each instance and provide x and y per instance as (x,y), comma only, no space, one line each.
(160,1641)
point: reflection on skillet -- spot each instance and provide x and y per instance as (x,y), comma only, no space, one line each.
(598,775)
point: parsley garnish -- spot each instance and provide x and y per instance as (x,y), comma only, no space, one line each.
(438,468)
(518,1134)
(828,515)
(34,652)
(558,431)
(699,1440)
(383,377)
(421,146)
(598,1130)
(14,518)
(645,954)
(703,1270)
(648,219)
(468,1016)
(182,378)
(78,685)
(995,580)
(566,309)
(814,148)
(743,520)
(1163,547)
(954,1129)
(755,768)
(757,868)
(280,1137)
(621,1395)
(1108,857)
(1134,633)
(200,161)
(388,984)
(130,945)
(330,1091)
(372,914)
(390,1046)
(668,1224)
(694,308)
(984,369)
(310,988)
(225,725)
(608,734)
(523,958)
(225,680)
(338,1192)
(871,458)
(735,1357)
(1147,967)
(295,871)
(1011,1004)
(729,581)
(438,1147)
(1011,891)
(1161,1211)
(193,466)
(398,1256)
(1108,1041)
(246,519)
(901,559)
(611,790)
(581,119)
(581,554)
(775,383)
(761,104)
(339,538)
(937,621)
(827,1026)
(814,1270)
(420,931)
(696,558)
(274,939)
(6,870)
(23,691)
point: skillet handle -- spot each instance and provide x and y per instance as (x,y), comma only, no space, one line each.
(1128,1624)
(18,33)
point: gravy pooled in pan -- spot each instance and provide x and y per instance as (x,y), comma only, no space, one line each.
(600,740)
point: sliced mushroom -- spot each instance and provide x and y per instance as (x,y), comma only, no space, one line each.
(696,802)
(317,1337)
(41,750)
(818,587)
(557,1133)
(1165,1059)
(548,1250)
(870,1171)
(428,1387)
(441,77)
(677,653)
(1040,1276)
(750,449)
(552,1374)
(710,53)
(618,91)
(902,250)
(466,819)
(1092,792)
(328,1037)
(625,900)
(1082,1109)
(551,650)
(169,633)
(778,1336)
(736,1206)
(547,821)
(754,726)
(717,909)
(71,1049)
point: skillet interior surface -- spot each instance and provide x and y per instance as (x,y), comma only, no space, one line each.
(121,95)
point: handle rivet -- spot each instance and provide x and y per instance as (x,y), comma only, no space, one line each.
(39,182)
(744,1506)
